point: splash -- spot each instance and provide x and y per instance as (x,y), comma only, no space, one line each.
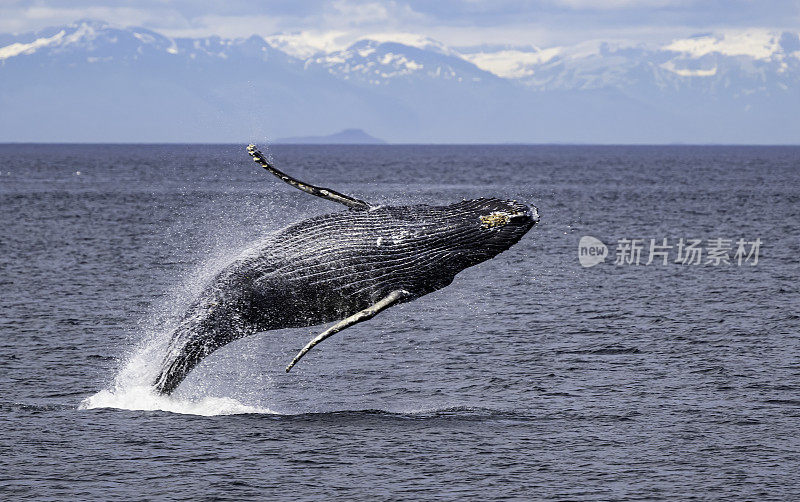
(131,390)
(142,397)
(132,387)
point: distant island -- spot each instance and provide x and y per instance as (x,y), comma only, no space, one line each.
(345,137)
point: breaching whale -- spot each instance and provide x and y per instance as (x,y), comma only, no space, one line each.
(346,266)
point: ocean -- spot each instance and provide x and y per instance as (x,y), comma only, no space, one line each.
(668,369)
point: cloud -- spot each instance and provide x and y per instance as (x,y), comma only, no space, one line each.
(620,4)
(356,13)
(323,24)
(31,18)
(229,26)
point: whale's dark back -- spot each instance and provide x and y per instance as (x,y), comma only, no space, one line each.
(329,267)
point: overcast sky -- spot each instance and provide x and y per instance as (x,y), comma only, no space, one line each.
(456,23)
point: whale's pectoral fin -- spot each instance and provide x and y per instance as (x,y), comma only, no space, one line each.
(325,193)
(367,313)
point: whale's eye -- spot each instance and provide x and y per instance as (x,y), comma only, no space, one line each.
(496,219)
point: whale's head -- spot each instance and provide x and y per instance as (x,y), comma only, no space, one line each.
(483,228)
(449,239)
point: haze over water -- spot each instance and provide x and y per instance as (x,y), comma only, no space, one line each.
(530,376)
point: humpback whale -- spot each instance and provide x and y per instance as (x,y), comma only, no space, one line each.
(346,266)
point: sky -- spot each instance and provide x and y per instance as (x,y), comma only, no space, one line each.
(468,23)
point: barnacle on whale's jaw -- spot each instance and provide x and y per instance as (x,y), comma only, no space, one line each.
(516,213)
(495,219)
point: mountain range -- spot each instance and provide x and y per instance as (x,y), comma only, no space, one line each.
(93,82)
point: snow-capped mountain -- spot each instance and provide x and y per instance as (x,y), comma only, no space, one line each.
(381,63)
(93,82)
(745,63)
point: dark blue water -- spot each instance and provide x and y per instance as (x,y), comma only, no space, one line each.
(529,377)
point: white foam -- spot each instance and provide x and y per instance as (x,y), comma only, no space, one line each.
(143,398)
